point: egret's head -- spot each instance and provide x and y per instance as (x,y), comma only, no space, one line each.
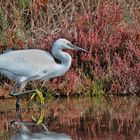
(65,44)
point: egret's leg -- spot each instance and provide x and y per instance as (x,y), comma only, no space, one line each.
(17,102)
(22,93)
(13,93)
(21,87)
(13,90)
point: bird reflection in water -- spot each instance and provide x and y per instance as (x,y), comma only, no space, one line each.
(25,134)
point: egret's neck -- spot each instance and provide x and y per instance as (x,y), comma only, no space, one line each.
(63,57)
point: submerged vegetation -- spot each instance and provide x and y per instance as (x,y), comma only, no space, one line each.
(108,29)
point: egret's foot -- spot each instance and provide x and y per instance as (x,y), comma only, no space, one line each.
(35,96)
(39,99)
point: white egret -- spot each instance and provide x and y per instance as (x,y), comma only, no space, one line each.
(27,65)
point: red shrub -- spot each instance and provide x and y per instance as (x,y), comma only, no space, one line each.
(113,50)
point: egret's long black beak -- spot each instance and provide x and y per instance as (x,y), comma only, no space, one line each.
(77,48)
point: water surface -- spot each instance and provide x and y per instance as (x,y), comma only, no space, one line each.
(111,118)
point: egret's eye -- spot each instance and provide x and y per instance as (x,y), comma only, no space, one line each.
(69,44)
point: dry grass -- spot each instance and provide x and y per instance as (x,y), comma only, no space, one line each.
(22,20)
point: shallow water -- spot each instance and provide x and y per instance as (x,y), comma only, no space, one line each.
(111,118)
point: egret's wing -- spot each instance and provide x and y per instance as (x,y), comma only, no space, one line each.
(26,62)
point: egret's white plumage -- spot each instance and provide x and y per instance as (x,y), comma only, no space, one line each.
(26,63)
(34,64)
